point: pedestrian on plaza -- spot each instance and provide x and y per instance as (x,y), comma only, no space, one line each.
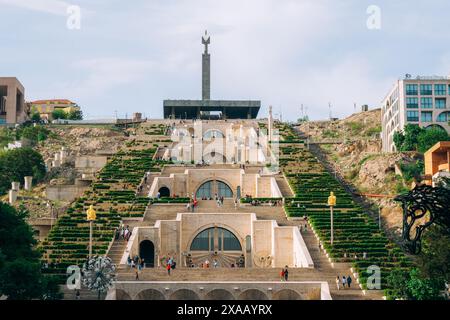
(168,267)
(286,274)
(77,295)
(344,282)
(338,283)
(349,281)
(282,274)
(137,274)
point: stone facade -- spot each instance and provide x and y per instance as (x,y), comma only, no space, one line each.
(263,243)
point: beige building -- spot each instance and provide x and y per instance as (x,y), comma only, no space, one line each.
(12,101)
(228,181)
(228,239)
(210,142)
(46,107)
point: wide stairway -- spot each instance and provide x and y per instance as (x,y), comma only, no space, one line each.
(283,186)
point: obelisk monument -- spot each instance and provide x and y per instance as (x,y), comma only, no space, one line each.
(206,75)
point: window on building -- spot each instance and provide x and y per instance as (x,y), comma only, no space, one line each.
(426,103)
(225,239)
(412,103)
(440,89)
(440,103)
(412,116)
(411,90)
(224,190)
(426,89)
(426,116)
(202,241)
(443,117)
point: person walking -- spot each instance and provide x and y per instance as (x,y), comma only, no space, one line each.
(77,295)
(168,267)
(286,274)
(282,274)
(137,274)
(349,281)
(344,281)
(338,283)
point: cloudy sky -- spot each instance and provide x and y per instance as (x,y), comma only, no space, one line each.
(129,56)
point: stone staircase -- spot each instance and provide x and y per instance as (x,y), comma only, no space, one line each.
(117,250)
(284,186)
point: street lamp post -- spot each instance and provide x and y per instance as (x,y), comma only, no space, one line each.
(331,203)
(91,216)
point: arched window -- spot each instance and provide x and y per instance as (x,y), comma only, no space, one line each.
(213,133)
(205,190)
(210,188)
(224,190)
(225,240)
(443,117)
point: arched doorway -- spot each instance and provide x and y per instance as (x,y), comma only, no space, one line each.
(184,294)
(164,192)
(147,252)
(122,295)
(210,188)
(150,294)
(253,294)
(219,294)
(287,294)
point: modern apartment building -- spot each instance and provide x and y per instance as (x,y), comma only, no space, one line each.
(424,101)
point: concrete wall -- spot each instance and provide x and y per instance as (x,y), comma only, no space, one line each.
(90,162)
(64,192)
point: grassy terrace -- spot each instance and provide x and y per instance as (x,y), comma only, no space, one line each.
(354,231)
(113,197)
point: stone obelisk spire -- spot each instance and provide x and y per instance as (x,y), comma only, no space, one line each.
(206,75)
